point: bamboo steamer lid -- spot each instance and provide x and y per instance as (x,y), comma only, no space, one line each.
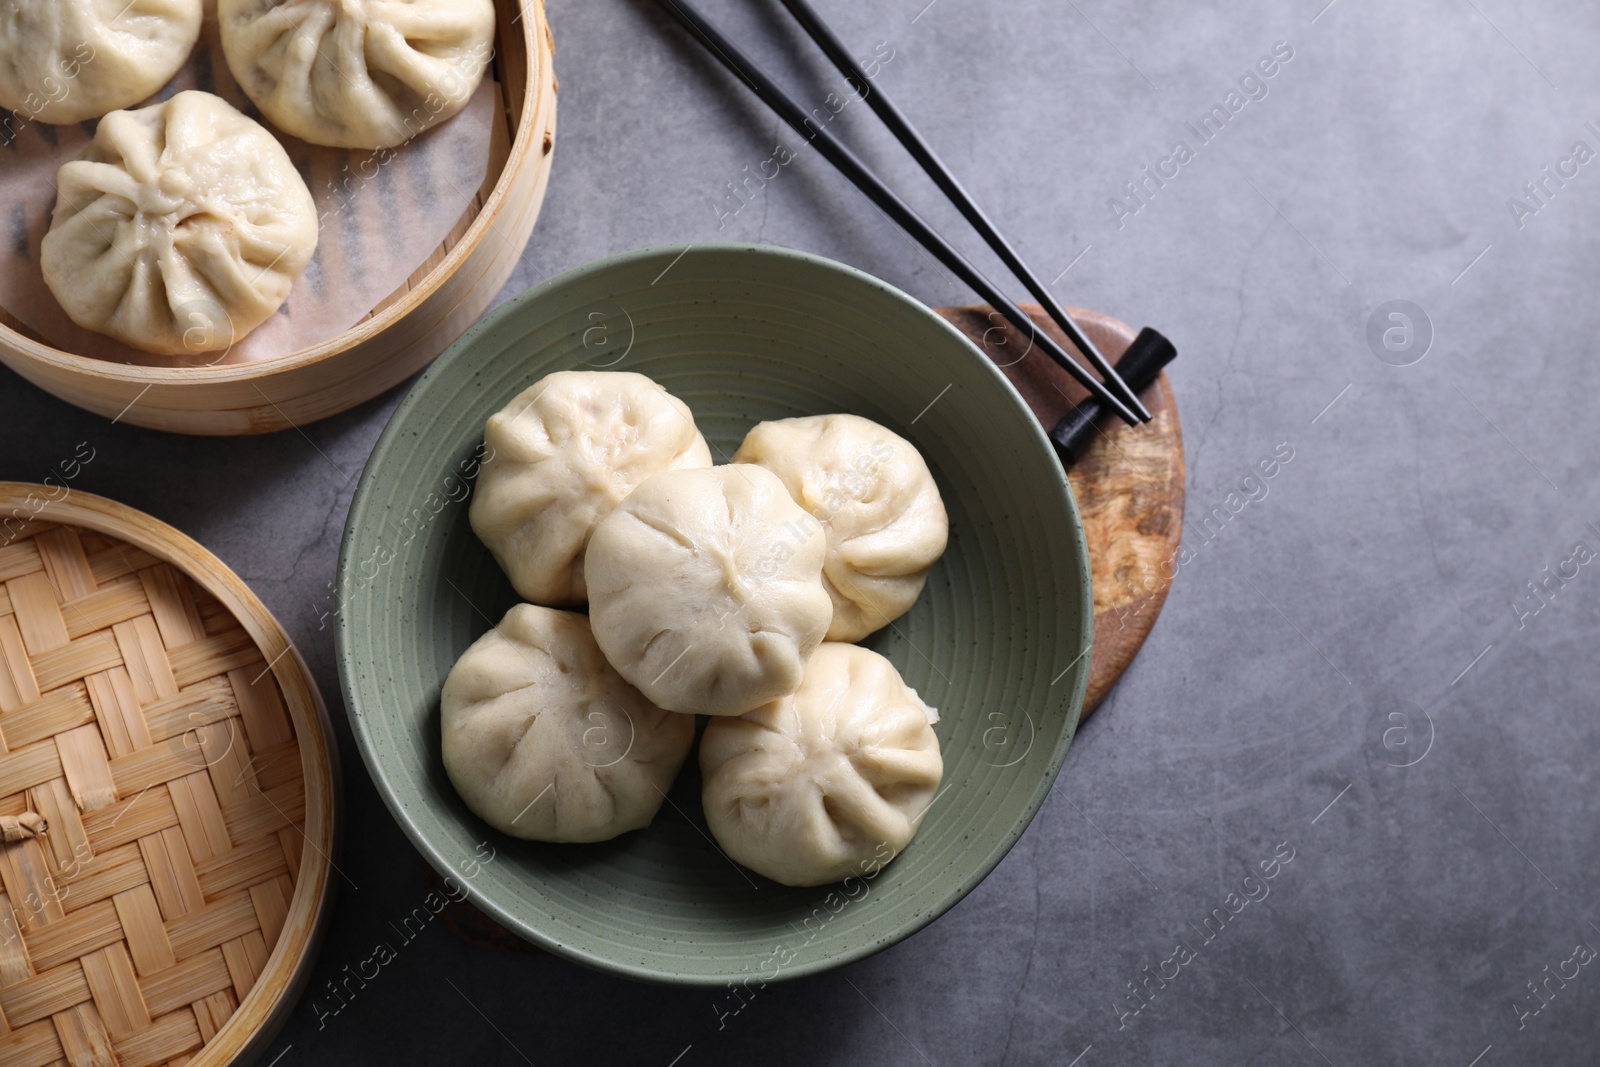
(156,720)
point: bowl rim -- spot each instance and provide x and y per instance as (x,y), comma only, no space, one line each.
(43,353)
(385,786)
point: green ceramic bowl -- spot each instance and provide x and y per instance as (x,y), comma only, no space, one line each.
(741,334)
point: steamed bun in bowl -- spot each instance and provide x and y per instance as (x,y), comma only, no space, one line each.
(562,455)
(828,782)
(544,741)
(705,589)
(875,497)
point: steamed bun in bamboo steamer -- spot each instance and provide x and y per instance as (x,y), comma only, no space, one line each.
(180,229)
(357,73)
(64,61)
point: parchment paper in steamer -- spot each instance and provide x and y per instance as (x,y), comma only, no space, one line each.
(380,214)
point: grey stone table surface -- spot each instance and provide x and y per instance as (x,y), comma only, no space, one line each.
(1381,662)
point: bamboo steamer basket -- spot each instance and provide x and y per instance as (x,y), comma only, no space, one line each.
(156,718)
(404,333)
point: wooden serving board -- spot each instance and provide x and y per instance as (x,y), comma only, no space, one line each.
(1129,489)
(1129,485)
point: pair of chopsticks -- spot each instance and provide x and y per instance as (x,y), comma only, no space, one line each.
(1116,395)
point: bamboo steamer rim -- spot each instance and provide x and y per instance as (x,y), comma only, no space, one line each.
(534,31)
(262,1012)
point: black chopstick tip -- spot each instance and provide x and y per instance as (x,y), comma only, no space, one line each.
(1139,366)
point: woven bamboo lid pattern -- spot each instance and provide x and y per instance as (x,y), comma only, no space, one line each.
(151,732)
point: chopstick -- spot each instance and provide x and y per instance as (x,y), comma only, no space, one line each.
(924,154)
(847,162)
